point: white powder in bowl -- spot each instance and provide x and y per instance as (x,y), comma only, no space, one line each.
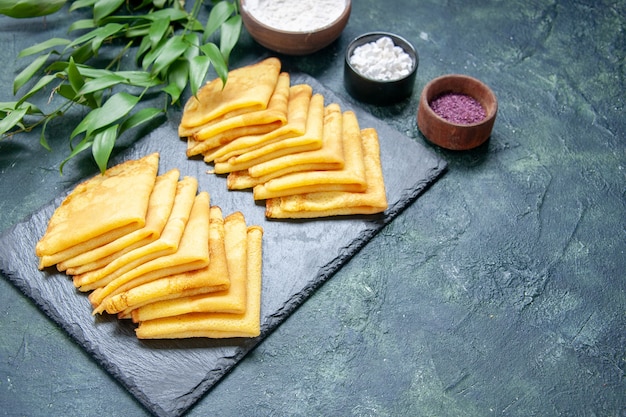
(296,15)
(381,60)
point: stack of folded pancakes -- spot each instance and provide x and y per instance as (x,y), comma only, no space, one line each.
(304,157)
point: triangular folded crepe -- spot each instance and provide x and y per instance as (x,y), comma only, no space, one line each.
(312,139)
(329,156)
(99,211)
(192,253)
(159,209)
(211,278)
(247,89)
(273,116)
(298,109)
(218,325)
(335,203)
(167,243)
(232,300)
(350,178)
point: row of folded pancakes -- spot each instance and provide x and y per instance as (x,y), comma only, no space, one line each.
(304,157)
(152,248)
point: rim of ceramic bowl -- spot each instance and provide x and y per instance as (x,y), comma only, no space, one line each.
(346,11)
(365,38)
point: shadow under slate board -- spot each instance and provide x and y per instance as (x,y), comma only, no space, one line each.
(169,376)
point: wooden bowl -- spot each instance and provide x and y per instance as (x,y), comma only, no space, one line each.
(292,42)
(456,136)
(375,91)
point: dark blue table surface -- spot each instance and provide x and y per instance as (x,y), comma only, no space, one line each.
(500,291)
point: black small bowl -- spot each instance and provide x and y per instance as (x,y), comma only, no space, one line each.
(375,91)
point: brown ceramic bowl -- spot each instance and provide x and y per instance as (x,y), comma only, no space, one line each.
(291,42)
(456,136)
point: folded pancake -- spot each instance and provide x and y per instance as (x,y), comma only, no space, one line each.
(335,203)
(99,211)
(273,116)
(232,300)
(350,178)
(297,112)
(329,156)
(248,89)
(159,209)
(312,139)
(218,325)
(241,180)
(192,254)
(167,242)
(211,278)
(196,147)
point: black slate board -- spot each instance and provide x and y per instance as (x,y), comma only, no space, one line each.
(168,377)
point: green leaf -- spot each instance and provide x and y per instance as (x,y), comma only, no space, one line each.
(7,107)
(83,145)
(213,52)
(173,48)
(42,46)
(105,32)
(193,48)
(139,78)
(219,14)
(27,73)
(116,107)
(103,8)
(135,78)
(178,76)
(141,117)
(43,81)
(230,32)
(198,68)
(82,24)
(174,15)
(101,83)
(74,77)
(98,35)
(67,91)
(102,146)
(42,136)
(158,30)
(82,54)
(30,8)
(82,3)
(12,119)
(144,47)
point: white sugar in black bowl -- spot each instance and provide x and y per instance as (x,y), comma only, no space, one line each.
(370,61)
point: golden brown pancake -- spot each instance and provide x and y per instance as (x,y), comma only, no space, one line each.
(167,242)
(274,115)
(192,253)
(232,300)
(159,209)
(335,203)
(211,278)
(329,156)
(99,211)
(312,139)
(248,88)
(298,109)
(350,178)
(218,325)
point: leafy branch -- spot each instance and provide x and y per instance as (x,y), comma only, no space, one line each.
(173,50)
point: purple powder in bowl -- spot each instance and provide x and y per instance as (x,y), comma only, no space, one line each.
(458,108)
